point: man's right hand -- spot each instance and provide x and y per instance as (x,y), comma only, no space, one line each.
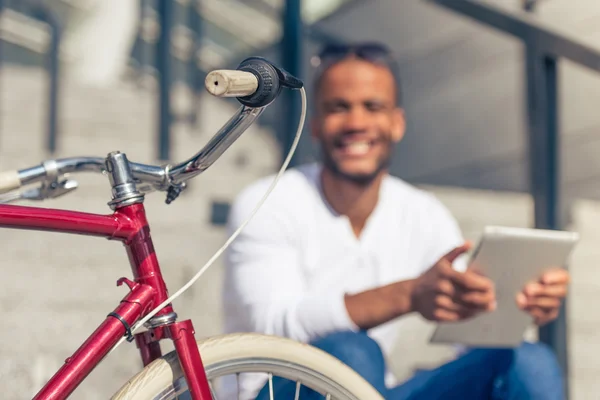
(444,294)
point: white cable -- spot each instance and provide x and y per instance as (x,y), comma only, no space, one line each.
(235,234)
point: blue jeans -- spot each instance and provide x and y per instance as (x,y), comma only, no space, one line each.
(528,372)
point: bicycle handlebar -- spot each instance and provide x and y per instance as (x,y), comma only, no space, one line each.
(227,83)
(255,83)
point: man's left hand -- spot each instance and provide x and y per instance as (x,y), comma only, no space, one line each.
(542,299)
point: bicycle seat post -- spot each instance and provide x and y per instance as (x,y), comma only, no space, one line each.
(124,190)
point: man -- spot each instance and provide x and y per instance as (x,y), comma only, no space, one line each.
(341,250)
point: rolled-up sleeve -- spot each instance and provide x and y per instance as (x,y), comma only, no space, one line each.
(264,288)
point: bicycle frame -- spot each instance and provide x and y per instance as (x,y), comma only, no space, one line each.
(128,225)
(256,83)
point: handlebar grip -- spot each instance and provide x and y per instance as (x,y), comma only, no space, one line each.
(231,83)
(9,180)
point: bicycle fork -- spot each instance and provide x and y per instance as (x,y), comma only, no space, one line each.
(182,334)
(118,323)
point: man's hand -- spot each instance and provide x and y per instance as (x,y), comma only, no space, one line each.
(444,294)
(542,299)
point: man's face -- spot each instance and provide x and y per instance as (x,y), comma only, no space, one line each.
(357,121)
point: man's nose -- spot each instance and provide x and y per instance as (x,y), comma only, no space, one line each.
(357,120)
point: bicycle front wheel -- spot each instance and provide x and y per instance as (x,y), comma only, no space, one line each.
(245,353)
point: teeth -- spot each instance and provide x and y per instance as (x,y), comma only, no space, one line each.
(357,148)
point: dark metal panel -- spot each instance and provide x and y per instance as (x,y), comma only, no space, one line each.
(526,28)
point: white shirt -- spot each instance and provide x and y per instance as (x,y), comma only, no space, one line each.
(288,271)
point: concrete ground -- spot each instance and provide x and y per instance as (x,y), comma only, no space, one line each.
(55,289)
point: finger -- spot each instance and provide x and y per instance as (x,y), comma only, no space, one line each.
(444,286)
(448,304)
(470,281)
(457,251)
(541,316)
(540,290)
(445,302)
(543,302)
(555,276)
(478,300)
(444,315)
(548,317)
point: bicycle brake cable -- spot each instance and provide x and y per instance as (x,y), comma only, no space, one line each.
(235,234)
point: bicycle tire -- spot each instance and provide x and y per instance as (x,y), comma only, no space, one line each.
(240,353)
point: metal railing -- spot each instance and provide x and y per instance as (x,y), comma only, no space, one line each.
(168,48)
(39,11)
(543,48)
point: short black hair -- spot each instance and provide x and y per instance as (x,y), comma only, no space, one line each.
(372,52)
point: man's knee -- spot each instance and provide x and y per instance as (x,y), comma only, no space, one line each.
(351,347)
(528,357)
(355,349)
(533,374)
(537,358)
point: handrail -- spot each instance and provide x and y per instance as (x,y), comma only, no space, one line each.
(42,13)
(53,67)
(544,47)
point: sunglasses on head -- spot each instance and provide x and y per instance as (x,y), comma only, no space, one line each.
(372,52)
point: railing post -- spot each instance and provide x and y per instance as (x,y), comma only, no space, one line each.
(291,51)
(544,150)
(164,63)
(53,67)
(54,72)
(196,78)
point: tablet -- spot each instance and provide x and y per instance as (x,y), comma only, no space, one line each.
(510,257)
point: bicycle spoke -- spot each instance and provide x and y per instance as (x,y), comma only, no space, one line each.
(271,395)
(237,384)
(298,384)
(212,391)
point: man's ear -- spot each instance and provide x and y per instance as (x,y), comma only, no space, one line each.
(398,124)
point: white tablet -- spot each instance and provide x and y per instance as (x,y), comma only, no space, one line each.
(510,257)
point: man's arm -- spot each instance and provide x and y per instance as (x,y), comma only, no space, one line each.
(377,306)
(264,283)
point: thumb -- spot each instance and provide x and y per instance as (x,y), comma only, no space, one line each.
(457,251)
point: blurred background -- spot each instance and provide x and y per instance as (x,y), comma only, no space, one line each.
(503,126)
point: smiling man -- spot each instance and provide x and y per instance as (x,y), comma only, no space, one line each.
(342,250)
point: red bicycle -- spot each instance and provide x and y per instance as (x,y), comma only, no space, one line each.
(256,83)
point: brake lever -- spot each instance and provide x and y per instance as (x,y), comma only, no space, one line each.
(46,191)
(56,189)
(10,197)
(30,194)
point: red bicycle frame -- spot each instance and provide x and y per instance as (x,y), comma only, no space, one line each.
(129,225)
